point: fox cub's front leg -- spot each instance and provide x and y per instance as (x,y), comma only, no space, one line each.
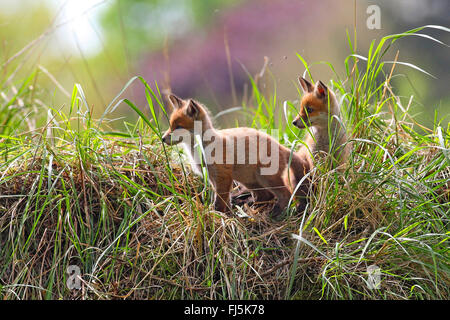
(222,181)
(222,202)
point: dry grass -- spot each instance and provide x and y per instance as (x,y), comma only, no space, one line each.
(178,248)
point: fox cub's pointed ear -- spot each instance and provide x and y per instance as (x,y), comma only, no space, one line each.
(305,84)
(175,101)
(321,90)
(193,109)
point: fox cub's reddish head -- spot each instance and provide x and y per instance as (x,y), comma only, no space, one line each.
(316,104)
(184,114)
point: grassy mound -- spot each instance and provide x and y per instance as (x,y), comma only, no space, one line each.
(131,219)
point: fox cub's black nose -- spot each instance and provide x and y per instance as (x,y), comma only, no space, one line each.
(294,122)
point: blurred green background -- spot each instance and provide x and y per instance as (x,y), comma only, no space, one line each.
(206,49)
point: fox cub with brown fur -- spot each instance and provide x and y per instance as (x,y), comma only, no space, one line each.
(245,155)
(319,110)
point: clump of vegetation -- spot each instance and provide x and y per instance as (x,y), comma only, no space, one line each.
(129,213)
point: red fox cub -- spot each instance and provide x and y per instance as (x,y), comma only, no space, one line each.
(246,155)
(319,110)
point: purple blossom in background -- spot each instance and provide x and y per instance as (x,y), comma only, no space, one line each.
(258,28)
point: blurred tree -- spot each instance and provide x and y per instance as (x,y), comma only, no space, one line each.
(141,25)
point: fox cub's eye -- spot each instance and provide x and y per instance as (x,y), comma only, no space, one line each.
(309,109)
(178,127)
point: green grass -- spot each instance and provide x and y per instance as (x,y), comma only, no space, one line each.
(130,214)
